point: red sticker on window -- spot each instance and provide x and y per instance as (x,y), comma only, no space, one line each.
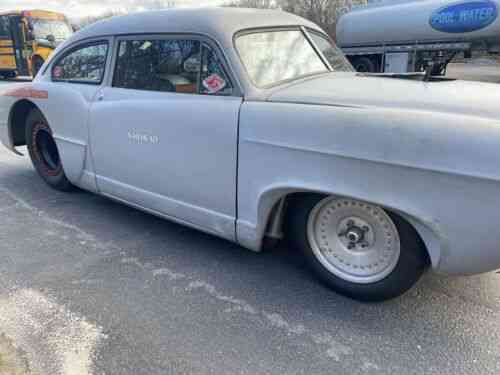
(58,72)
(214,83)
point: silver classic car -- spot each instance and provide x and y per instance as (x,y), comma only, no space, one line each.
(251,125)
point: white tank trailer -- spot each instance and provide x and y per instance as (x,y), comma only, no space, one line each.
(419,35)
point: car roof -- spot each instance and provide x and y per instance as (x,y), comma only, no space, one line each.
(220,23)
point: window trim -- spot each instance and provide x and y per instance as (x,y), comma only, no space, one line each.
(203,39)
(316,48)
(327,37)
(75,48)
(278,29)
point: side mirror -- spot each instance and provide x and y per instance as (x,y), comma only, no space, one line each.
(51,38)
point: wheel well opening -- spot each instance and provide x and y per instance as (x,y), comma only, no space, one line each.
(395,216)
(276,220)
(17,121)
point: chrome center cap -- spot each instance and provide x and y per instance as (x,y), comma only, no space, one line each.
(355,233)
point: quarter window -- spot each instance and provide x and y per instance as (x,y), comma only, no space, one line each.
(175,65)
(214,80)
(84,65)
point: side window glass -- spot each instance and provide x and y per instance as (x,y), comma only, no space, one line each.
(85,65)
(159,65)
(4,27)
(214,80)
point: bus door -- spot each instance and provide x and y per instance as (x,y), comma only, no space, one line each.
(18,37)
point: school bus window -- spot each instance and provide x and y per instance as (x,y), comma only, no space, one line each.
(4,29)
(43,29)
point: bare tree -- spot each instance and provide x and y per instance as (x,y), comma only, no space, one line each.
(323,12)
(261,4)
(158,4)
(136,5)
(87,20)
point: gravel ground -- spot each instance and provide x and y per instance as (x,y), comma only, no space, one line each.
(89,286)
(12,361)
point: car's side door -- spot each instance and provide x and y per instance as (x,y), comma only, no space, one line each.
(164,131)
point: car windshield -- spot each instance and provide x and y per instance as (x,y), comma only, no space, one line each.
(271,57)
(42,28)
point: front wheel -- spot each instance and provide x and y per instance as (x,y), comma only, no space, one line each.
(358,249)
(44,152)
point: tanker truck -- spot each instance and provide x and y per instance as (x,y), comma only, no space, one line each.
(418,36)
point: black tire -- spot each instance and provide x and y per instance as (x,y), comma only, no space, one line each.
(36,66)
(44,153)
(365,65)
(412,263)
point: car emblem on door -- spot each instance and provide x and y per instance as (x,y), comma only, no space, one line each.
(141,138)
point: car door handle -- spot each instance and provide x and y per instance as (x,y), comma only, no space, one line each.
(100,97)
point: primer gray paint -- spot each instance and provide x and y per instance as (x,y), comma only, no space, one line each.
(427,150)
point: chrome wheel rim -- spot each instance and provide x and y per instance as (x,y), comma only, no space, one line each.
(355,241)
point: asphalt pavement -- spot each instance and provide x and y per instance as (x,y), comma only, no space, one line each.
(486,71)
(90,286)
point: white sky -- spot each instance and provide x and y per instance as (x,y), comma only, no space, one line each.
(81,8)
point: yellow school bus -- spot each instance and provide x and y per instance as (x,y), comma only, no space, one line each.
(27,38)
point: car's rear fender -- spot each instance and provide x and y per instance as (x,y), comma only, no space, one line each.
(65,107)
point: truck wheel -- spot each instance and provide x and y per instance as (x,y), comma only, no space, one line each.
(358,249)
(37,65)
(437,70)
(8,75)
(365,65)
(44,153)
